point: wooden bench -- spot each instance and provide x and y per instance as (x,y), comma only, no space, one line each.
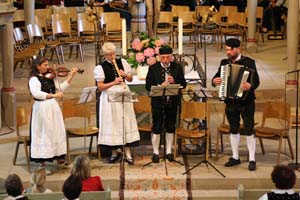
(99,195)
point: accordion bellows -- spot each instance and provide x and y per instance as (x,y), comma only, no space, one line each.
(233,76)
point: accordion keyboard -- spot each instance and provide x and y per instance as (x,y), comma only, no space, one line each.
(224,79)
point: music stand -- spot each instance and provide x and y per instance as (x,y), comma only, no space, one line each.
(87,95)
(164,91)
(295,165)
(121,97)
(203,93)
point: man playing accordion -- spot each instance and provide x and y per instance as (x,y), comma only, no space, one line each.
(240,107)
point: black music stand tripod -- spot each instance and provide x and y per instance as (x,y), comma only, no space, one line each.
(164,92)
(121,97)
(204,94)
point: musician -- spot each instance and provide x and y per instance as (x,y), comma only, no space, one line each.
(47,129)
(240,107)
(153,11)
(164,72)
(110,78)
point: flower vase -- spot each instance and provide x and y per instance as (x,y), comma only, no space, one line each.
(133,71)
(142,72)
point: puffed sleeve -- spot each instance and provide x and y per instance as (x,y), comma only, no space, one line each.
(126,65)
(99,73)
(35,88)
(61,86)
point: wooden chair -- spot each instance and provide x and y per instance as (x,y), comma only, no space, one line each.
(234,27)
(224,129)
(21,42)
(36,36)
(281,112)
(198,111)
(164,25)
(19,18)
(176,10)
(62,32)
(45,24)
(188,27)
(112,26)
(22,116)
(212,30)
(226,10)
(73,111)
(22,53)
(86,29)
(143,107)
(201,11)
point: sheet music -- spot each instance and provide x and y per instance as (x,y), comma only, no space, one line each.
(87,95)
(121,96)
(168,90)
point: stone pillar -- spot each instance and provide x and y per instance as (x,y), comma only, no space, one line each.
(293,34)
(29,11)
(292,50)
(8,93)
(251,40)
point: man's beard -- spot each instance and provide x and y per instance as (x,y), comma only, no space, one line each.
(230,57)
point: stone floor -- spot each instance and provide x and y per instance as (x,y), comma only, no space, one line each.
(272,68)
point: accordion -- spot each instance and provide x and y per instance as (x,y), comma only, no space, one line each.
(232,76)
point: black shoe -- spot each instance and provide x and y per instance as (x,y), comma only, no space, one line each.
(232,162)
(155,158)
(129,161)
(170,157)
(113,158)
(252,166)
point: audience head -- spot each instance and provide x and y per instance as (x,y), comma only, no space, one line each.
(165,54)
(13,185)
(109,51)
(81,167)
(72,187)
(283,176)
(38,179)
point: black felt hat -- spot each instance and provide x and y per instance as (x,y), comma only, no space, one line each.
(233,43)
(165,49)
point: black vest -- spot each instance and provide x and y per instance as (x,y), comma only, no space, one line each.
(47,85)
(284,196)
(110,70)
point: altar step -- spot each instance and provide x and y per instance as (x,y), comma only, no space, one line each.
(182,194)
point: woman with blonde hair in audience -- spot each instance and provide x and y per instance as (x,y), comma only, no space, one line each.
(38,182)
(82,169)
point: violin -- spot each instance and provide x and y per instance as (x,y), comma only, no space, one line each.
(59,71)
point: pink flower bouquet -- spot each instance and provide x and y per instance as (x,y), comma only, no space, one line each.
(144,50)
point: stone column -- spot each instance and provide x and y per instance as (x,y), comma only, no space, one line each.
(8,93)
(292,50)
(29,11)
(251,40)
(293,34)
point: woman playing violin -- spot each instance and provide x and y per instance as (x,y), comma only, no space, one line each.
(47,130)
(110,76)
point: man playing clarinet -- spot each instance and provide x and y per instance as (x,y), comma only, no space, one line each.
(164,110)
